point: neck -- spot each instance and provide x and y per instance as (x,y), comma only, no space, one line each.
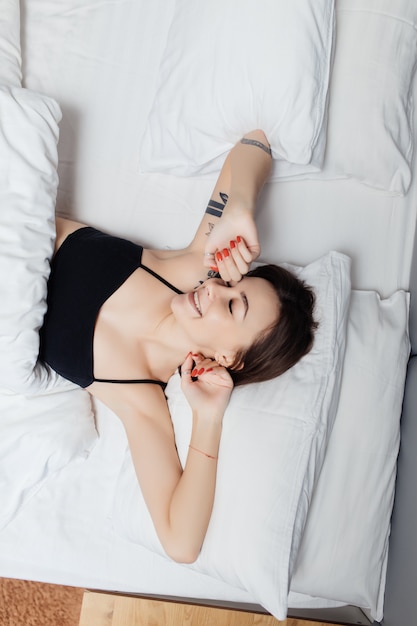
(166,348)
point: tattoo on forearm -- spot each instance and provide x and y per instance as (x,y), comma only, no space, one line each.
(258,144)
(216,208)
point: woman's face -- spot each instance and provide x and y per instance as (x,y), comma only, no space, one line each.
(222,320)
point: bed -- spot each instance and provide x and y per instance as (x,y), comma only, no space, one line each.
(119,114)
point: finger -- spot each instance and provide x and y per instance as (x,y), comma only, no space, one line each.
(215,374)
(207,362)
(255,251)
(209,259)
(186,369)
(227,266)
(234,271)
(206,365)
(241,264)
(218,375)
(244,250)
(221,266)
(198,357)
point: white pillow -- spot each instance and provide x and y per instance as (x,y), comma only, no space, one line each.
(28,185)
(272,446)
(39,436)
(10,57)
(370,127)
(231,66)
(344,548)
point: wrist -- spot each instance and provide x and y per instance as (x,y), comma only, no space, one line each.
(207,422)
(206,433)
(257,137)
(257,144)
(207,426)
(214,457)
(240,204)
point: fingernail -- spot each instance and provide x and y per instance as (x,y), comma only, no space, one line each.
(194,372)
(192,354)
(232,244)
(200,371)
(238,239)
(210,369)
(226,252)
(219,256)
(213,268)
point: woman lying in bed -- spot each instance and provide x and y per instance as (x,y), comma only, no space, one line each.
(121,319)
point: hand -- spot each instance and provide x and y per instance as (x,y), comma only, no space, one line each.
(232,245)
(206,385)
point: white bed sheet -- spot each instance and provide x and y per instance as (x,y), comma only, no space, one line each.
(105,98)
(48,544)
(106,92)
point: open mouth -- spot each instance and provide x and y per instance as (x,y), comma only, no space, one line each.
(196,302)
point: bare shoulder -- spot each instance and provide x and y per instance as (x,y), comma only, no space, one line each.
(135,404)
(64,228)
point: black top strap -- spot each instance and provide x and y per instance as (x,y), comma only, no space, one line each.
(162,280)
(130,382)
(142,380)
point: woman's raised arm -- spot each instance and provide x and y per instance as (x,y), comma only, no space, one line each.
(231,243)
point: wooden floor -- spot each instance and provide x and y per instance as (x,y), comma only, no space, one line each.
(100,609)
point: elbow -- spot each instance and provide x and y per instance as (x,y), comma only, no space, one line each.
(183,554)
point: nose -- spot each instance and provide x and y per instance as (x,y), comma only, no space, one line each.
(216,288)
(218,292)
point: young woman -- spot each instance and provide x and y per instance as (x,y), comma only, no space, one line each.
(121,319)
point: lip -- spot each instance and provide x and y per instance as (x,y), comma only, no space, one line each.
(192,303)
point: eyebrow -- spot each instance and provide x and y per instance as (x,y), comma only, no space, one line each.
(245,302)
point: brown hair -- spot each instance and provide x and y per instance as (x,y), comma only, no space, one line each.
(288,339)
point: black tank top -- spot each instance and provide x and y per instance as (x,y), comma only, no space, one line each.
(86,270)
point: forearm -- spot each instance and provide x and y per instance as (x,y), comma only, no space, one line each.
(192,500)
(179,501)
(244,172)
(249,167)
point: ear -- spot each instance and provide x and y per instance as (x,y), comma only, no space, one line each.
(225,360)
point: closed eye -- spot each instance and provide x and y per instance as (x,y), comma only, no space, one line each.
(245,305)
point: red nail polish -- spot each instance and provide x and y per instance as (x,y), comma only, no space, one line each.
(219,256)
(238,239)
(232,245)
(210,369)
(200,371)
(226,253)
(194,372)
(213,268)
